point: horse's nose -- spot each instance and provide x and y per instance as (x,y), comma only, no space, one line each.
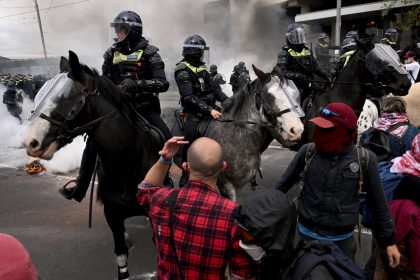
(34,144)
(292,130)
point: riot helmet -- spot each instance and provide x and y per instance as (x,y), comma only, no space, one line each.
(353,34)
(391,34)
(323,38)
(213,69)
(348,44)
(194,48)
(128,28)
(11,85)
(295,34)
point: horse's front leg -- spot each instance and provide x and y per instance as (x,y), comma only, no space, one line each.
(115,220)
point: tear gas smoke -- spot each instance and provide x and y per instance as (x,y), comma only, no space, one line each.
(12,151)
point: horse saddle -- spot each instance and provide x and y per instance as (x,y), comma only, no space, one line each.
(157,136)
(203,127)
(178,128)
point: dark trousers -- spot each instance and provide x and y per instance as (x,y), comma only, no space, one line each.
(87,166)
(190,130)
(348,246)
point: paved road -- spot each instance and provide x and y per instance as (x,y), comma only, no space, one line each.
(55,232)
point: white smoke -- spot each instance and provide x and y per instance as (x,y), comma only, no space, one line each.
(12,150)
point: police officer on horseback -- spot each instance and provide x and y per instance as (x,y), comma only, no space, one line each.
(391,38)
(348,48)
(136,67)
(297,62)
(198,100)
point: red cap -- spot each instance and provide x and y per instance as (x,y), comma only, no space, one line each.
(408,54)
(349,118)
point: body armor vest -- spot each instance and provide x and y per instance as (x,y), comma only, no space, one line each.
(129,66)
(201,82)
(300,62)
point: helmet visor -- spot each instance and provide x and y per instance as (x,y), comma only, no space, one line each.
(205,56)
(392,37)
(296,36)
(120,31)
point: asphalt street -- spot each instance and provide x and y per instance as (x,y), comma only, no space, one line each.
(55,230)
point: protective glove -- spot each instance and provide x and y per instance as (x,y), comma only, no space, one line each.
(128,85)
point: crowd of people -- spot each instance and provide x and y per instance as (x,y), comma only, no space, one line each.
(200,235)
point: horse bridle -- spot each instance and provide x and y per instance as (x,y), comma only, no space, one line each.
(66,135)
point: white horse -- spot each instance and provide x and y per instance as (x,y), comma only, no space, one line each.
(367,117)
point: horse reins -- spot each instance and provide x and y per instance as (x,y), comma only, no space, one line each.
(268,125)
(66,135)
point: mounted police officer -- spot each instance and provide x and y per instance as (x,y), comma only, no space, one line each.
(348,48)
(217,79)
(322,52)
(198,100)
(297,62)
(136,67)
(391,38)
(11,99)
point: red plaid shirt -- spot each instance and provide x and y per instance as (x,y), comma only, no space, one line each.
(205,234)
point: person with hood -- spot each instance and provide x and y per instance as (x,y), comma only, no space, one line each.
(136,67)
(329,202)
(267,223)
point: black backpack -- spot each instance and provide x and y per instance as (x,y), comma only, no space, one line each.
(378,141)
(321,260)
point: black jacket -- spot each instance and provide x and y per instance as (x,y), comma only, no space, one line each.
(148,71)
(299,68)
(195,87)
(329,202)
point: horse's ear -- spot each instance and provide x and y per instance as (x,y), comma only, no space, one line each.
(263,77)
(76,68)
(64,65)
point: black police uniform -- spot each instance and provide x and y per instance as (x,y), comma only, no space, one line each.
(299,66)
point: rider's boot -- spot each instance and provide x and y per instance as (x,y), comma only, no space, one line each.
(76,192)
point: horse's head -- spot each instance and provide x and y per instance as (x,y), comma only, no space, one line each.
(58,106)
(383,64)
(279,107)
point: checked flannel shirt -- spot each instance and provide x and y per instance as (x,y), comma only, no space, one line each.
(206,236)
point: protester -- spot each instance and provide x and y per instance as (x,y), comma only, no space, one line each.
(395,123)
(15,262)
(406,215)
(328,205)
(201,239)
(267,223)
(412,66)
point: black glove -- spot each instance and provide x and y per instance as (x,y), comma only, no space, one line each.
(128,85)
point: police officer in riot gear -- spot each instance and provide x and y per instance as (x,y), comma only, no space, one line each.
(348,48)
(233,81)
(391,38)
(322,52)
(198,100)
(297,62)
(136,67)
(11,99)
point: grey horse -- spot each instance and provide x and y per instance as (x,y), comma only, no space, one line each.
(260,109)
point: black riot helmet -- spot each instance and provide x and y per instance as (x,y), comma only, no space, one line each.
(392,34)
(213,69)
(348,44)
(323,38)
(353,34)
(295,34)
(130,24)
(194,47)
(11,85)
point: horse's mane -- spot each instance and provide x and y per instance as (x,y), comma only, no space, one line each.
(237,101)
(118,98)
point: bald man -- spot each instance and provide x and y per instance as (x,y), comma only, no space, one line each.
(199,239)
